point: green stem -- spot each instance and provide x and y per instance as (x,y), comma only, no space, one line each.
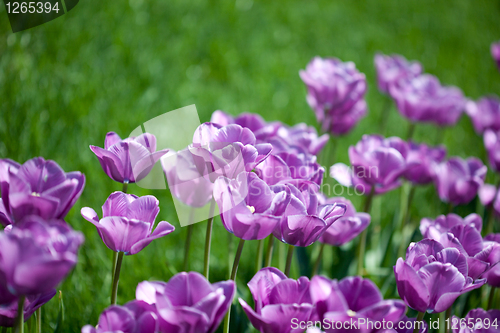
(318,260)
(450,208)
(289,257)
(186,247)
(448,316)
(260,252)
(19,324)
(113,264)
(491,298)
(236,262)
(39,320)
(404,222)
(411,131)
(420,317)
(269,251)
(125,186)
(208,240)
(362,241)
(116,278)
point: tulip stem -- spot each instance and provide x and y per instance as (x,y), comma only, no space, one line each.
(19,325)
(362,241)
(491,298)
(318,260)
(236,262)
(260,252)
(116,278)
(448,319)
(125,186)
(208,239)
(411,131)
(289,257)
(115,256)
(404,222)
(269,251)
(39,320)
(417,326)
(186,247)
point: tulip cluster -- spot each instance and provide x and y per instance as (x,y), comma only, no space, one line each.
(37,248)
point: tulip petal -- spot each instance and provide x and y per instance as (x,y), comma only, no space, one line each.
(162,229)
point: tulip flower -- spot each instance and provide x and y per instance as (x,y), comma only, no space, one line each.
(188,302)
(286,166)
(133,317)
(432,277)
(226,151)
(485,114)
(278,300)
(391,69)
(422,160)
(477,321)
(38,187)
(248,206)
(495,53)
(127,222)
(352,298)
(36,255)
(424,99)
(377,164)
(8,313)
(492,144)
(335,92)
(128,160)
(458,181)
(350,225)
(491,254)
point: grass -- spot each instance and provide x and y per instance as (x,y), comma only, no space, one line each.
(112,65)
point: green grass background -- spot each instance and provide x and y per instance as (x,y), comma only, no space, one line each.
(112,65)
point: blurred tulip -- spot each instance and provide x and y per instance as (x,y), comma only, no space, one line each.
(492,144)
(127,222)
(336,93)
(391,69)
(278,300)
(422,160)
(36,255)
(38,187)
(495,53)
(288,166)
(424,99)
(485,114)
(432,277)
(188,302)
(128,160)
(8,313)
(491,254)
(458,181)
(477,321)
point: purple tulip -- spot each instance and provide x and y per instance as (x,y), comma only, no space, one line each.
(226,151)
(8,314)
(278,300)
(133,317)
(127,222)
(347,227)
(128,160)
(188,302)
(391,69)
(432,277)
(458,180)
(477,321)
(247,205)
(185,182)
(303,220)
(424,99)
(492,144)
(286,166)
(283,138)
(336,93)
(377,164)
(495,53)
(352,298)
(491,254)
(422,160)
(485,114)
(36,255)
(38,187)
